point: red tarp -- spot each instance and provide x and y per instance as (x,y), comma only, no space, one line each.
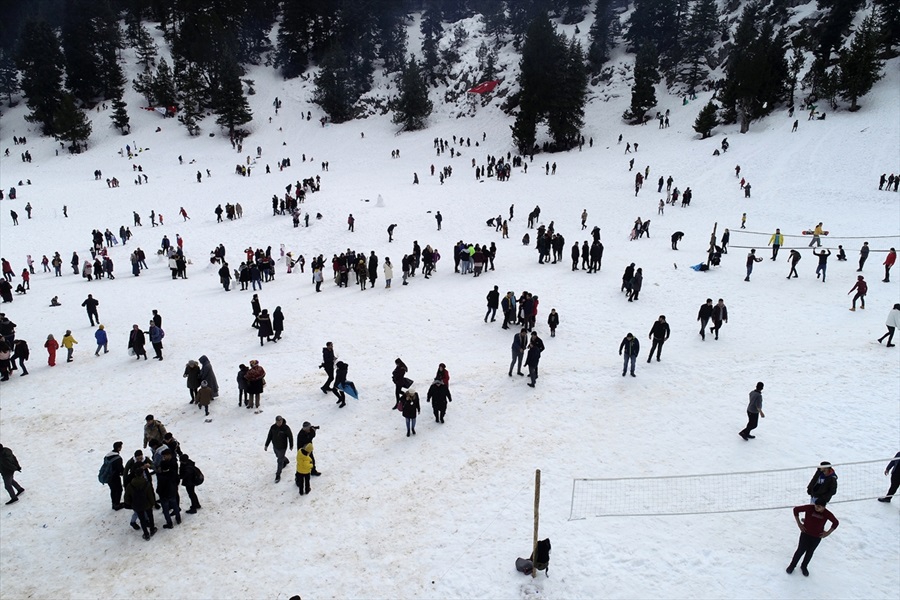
(484,87)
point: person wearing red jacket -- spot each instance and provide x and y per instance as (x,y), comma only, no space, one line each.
(861,288)
(812,531)
(888,263)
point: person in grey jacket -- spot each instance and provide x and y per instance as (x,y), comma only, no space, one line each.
(520,343)
(754,412)
(281,437)
(631,347)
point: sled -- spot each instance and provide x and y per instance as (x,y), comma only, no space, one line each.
(350,389)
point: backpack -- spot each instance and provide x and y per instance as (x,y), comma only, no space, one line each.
(198,476)
(105,470)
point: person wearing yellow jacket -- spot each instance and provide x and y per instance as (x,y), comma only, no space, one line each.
(304,468)
(68,343)
(776,241)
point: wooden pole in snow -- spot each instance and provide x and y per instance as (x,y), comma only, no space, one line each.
(537,506)
(712,245)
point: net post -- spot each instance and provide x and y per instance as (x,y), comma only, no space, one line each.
(537,506)
(712,245)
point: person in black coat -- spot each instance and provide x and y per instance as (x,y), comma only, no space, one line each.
(255,307)
(167,480)
(20,352)
(281,437)
(411,409)
(438,396)
(535,348)
(719,315)
(328,365)
(659,333)
(823,484)
(493,303)
(631,348)
(398,376)
(305,436)
(277,323)
(340,379)
(636,283)
(704,315)
(575,256)
(627,276)
(136,342)
(676,237)
(116,470)
(265,326)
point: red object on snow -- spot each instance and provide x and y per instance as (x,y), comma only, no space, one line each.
(484,87)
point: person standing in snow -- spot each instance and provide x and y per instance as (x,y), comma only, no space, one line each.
(328,365)
(90,304)
(255,377)
(410,410)
(137,341)
(704,315)
(277,323)
(892,323)
(102,340)
(535,348)
(281,438)
(52,346)
(192,374)
(861,288)
(823,485)
(636,283)
(888,263)
(304,468)
(265,326)
(631,347)
(68,343)
(156,335)
(519,344)
(9,465)
(340,378)
(188,474)
(776,241)
(398,376)
(892,469)
(255,307)
(812,531)
(751,259)
(204,396)
(493,303)
(794,258)
(754,412)
(208,375)
(863,255)
(305,436)
(438,396)
(659,333)
(553,322)
(823,263)
(114,477)
(20,352)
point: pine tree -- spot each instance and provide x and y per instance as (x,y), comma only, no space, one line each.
(90,39)
(798,59)
(493,16)
(293,39)
(71,125)
(706,120)
(600,35)
(524,132)
(40,63)
(193,96)
(143,85)
(163,86)
(643,91)
(834,24)
(145,48)
(229,102)
(659,23)
(859,67)
(573,11)
(9,77)
(432,29)
(487,58)
(119,115)
(702,27)
(411,106)
(335,91)
(888,12)
(565,115)
(392,35)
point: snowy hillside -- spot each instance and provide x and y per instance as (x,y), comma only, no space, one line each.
(444,514)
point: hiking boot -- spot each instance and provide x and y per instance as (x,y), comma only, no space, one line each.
(146,536)
(805,571)
(789,570)
(168,526)
(277,480)
(191,511)
(178,519)
(136,527)
(887,499)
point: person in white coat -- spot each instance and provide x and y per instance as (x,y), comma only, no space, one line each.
(388,272)
(892,322)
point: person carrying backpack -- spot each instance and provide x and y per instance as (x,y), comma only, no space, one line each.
(191,477)
(111,472)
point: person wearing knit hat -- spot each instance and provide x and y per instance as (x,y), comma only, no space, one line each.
(823,484)
(304,468)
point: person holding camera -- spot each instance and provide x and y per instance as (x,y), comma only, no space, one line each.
(305,436)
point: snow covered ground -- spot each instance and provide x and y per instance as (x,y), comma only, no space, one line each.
(445,514)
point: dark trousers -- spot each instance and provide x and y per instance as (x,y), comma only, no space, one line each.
(793,272)
(703,323)
(146,518)
(330,373)
(492,312)
(115,491)
(302,481)
(92,316)
(157,348)
(657,345)
(195,503)
(752,422)
(807,545)
(717,325)
(895,482)
(889,335)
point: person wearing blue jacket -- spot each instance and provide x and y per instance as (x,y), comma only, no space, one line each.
(102,340)
(156,336)
(631,348)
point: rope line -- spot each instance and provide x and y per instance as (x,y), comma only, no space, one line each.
(803,248)
(807,235)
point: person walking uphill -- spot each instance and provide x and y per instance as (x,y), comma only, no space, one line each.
(892,323)
(68,343)
(860,287)
(90,304)
(631,348)
(265,327)
(704,315)
(137,341)
(888,263)
(493,303)
(398,376)
(754,412)
(659,333)
(812,531)
(9,465)
(719,316)
(281,438)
